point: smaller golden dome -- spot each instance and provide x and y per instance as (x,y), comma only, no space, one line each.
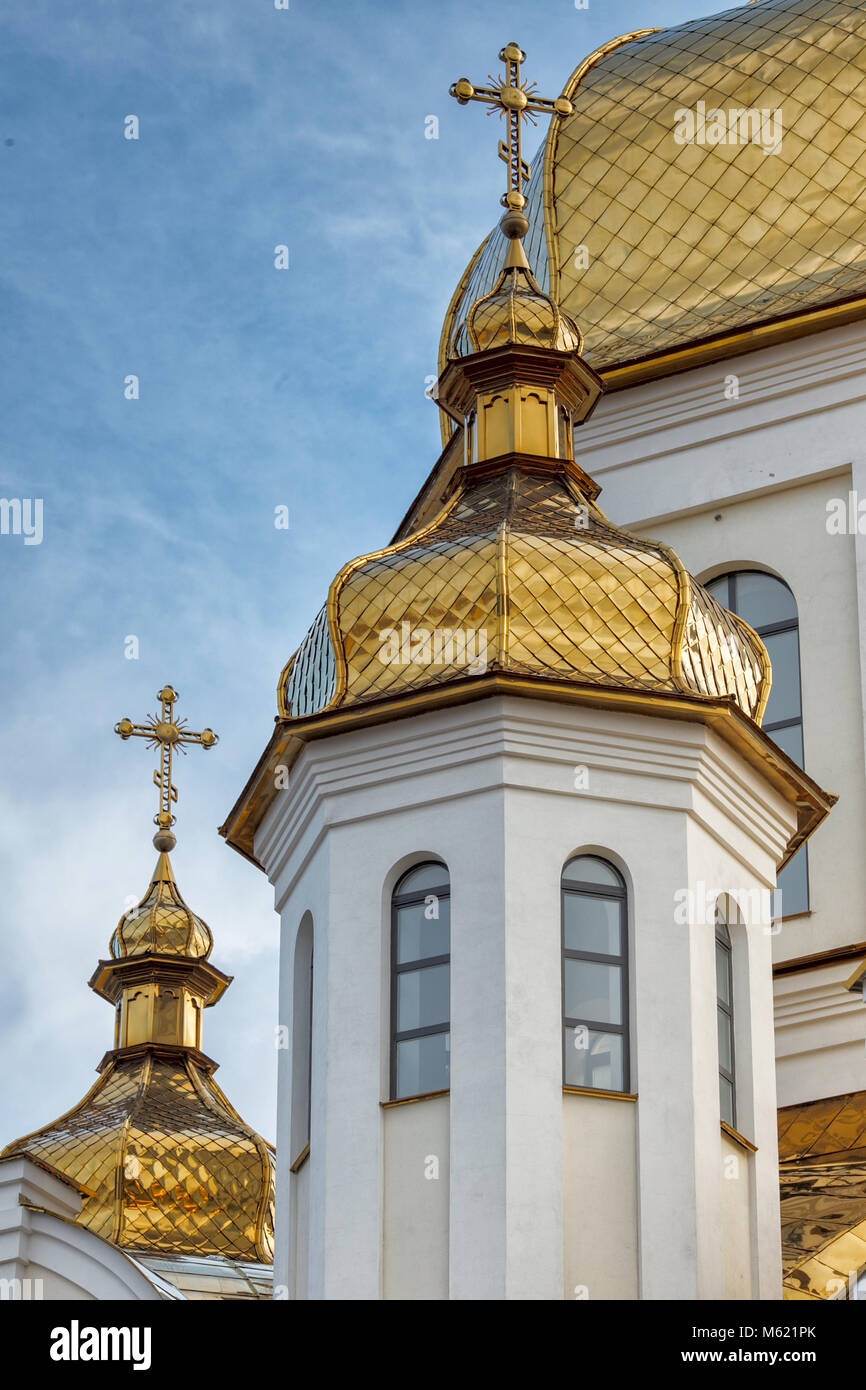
(517,311)
(162,922)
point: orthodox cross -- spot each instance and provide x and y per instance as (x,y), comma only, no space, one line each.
(166,733)
(516,100)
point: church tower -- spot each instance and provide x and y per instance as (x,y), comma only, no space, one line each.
(167,1169)
(523,828)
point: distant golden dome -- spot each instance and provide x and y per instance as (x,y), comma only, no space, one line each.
(655,237)
(162,922)
(522,574)
(168,1163)
(517,311)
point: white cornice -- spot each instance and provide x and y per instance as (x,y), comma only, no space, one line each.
(451,754)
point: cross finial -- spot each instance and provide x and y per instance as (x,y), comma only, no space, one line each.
(167,733)
(518,101)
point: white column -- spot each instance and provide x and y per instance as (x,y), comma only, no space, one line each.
(664,1016)
(478,1235)
(533,1058)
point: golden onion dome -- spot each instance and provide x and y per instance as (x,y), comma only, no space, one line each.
(516,311)
(162,922)
(522,574)
(708,180)
(167,1165)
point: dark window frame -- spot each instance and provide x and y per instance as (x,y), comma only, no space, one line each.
(723,939)
(411,899)
(581,888)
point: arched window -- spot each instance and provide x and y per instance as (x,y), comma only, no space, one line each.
(595,1042)
(302,1038)
(421,982)
(769,607)
(725,1021)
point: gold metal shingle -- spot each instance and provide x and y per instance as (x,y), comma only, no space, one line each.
(170,1164)
(689,242)
(553,588)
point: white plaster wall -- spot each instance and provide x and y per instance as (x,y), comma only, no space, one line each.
(714,864)
(786,534)
(820,1034)
(416,1200)
(489,788)
(674,455)
(300,1199)
(40,1239)
(736,1180)
(599,1198)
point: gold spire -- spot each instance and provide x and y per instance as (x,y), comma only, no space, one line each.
(167,733)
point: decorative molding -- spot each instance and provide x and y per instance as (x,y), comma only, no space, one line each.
(413,1100)
(819,959)
(301,1159)
(603,1095)
(738,1138)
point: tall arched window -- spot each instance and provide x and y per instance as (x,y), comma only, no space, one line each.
(595,1043)
(302,1038)
(725,1021)
(768,605)
(421,982)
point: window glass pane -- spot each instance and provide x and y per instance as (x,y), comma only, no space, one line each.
(423,929)
(420,879)
(762,599)
(726,1100)
(792,892)
(423,1064)
(593,991)
(790,741)
(592,924)
(719,589)
(588,869)
(784,701)
(423,997)
(594,1059)
(722,971)
(726,1047)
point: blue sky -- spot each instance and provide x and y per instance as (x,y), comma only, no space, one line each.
(258,388)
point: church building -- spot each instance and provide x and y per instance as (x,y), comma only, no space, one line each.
(537,766)
(564,803)
(152,1186)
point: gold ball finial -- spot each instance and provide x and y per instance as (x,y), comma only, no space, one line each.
(514,224)
(164,841)
(563,106)
(512,53)
(124,728)
(208,738)
(168,694)
(463,90)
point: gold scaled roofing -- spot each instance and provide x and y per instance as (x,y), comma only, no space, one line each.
(169,1164)
(162,922)
(521,574)
(516,311)
(689,242)
(822,1157)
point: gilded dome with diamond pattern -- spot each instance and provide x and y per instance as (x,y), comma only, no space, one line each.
(167,1165)
(668,252)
